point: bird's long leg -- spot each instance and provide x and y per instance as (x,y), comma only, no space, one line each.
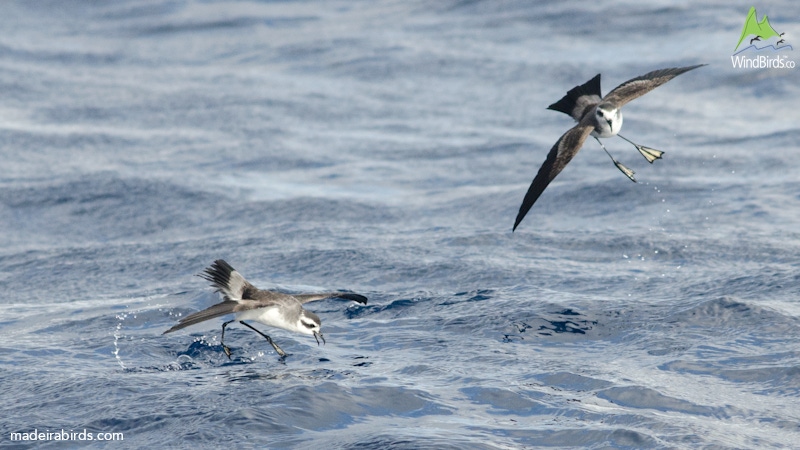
(222,339)
(628,172)
(269,339)
(650,154)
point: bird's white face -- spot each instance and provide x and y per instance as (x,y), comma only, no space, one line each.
(609,120)
(309,323)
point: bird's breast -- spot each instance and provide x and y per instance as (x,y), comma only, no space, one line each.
(271,316)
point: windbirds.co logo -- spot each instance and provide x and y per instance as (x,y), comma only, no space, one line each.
(761,37)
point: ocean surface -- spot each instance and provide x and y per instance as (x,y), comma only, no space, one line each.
(384,147)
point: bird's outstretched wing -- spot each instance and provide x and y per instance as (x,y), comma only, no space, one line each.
(560,155)
(305,298)
(238,295)
(261,299)
(637,87)
(220,309)
(228,281)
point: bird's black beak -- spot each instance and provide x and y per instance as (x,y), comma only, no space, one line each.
(318,336)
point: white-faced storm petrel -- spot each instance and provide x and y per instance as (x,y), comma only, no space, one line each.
(597,116)
(271,308)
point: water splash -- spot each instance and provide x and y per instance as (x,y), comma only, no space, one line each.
(117,335)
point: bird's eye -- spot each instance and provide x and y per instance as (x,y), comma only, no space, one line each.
(310,326)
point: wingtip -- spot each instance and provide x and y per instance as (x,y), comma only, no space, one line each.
(357,298)
(350,296)
(523,211)
(178,326)
(682,70)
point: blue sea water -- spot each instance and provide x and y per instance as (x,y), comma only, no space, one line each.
(384,147)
